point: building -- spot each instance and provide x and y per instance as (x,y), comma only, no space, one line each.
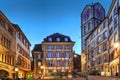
(91,16)
(55,54)
(22,53)
(114,29)
(14,50)
(37,54)
(102,55)
(98,48)
(77,62)
(7,47)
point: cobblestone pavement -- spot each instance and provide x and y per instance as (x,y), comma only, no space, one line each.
(101,78)
(88,78)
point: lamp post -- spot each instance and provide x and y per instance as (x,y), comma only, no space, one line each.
(16,72)
(117,45)
(94,65)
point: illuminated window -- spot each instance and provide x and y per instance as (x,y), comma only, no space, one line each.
(115,37)
(98,30)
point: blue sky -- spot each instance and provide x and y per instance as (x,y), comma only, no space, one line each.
(40,18)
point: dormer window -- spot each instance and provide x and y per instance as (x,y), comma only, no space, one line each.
(50,39)
(66,39)
(58,39)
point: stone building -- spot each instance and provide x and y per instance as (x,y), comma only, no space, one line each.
(55,54)
(101,52)
(14,50)
(7,47)
(22,53)
(91,16)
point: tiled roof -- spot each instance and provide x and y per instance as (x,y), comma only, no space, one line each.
(57,35)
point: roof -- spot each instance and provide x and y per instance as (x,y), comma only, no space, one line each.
(57,35)
(37,47)
(19,29)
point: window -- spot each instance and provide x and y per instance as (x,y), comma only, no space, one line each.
(110,20)
(59,47)
(111,42)
(104,25)
(58,39)
(84,29)
(49,47)
(100,49)
(105,46)
(59,63)
(66,39)
(99,39)
(89,26)
(50,39)
(39,56)
(115,22)
(2,23)
(66,55)
(98,30)
(49,54)
(67,47)
(105,35)
(10,31)
(5,42)
(58,54)
(66,63)
(115,37)
(50,63)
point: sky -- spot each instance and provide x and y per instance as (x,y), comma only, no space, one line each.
(41,18)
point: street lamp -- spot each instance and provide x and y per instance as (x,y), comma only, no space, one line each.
(75,56)
(16,72)
(117,45)
(41,68)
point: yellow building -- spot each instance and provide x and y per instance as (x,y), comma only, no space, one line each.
(22,53)
(7,47)
(14,50)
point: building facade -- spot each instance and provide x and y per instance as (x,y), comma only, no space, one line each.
(77,62)
(7,47)
(14,50)
(22,53)
(114,28)
(57,56)
(97,48)
(102,55)
(91,16)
